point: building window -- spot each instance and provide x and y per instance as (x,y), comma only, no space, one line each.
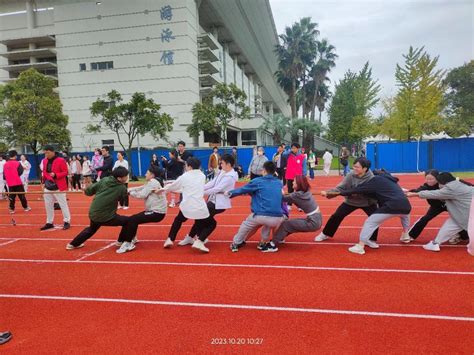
(108,143)
(82,66)
(212,137)
(249,137)
(102,65)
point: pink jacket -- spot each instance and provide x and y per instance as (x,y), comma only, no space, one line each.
(12,172)
(294,166)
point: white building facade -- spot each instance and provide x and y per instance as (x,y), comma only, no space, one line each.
(172,50)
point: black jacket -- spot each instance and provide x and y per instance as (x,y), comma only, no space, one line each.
(106,168)
(173,169)
(384,187)
(438,204)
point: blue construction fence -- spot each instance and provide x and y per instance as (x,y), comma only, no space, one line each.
(244,156)
(409,157)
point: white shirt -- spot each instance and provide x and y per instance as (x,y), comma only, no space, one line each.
(86,167)
(118,163)
(26,167)
(191,185)
(327,157)
(224,181)
(2,164)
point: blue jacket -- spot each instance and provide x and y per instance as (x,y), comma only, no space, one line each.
(266,195)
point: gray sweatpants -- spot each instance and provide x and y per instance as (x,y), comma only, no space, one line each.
(309,224)
(375,220)
(448,230)
(251,225)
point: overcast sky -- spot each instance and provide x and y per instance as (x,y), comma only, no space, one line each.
(380,31)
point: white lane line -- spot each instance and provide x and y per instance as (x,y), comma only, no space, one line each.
(9,242)
(95,252)
(242,307)
(249,242)
(244,266)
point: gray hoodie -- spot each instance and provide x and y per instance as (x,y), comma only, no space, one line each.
(352,181)
(153,202)
(458,197)
(303,200)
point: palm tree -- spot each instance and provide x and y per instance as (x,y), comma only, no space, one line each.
(310,129)
(322,98)
(279,124)
(295,53)
(326,61)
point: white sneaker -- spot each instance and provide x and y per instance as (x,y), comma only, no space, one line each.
(205,241)
(118,244)
(71,247)
(186,241)
(168,243)
(321,237)
(119,207)
(135,240)
(371,244)
(125,207)
(28,209)
(455,240)
(200,246)
(126,246)
(357,249)
(431,246)
(172,204)
(405,238)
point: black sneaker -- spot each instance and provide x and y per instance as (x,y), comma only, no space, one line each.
(269,248)
(47,226)
(235,247)
(261,245)
(66,225)
(4,337)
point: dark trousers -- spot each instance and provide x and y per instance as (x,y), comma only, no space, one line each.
(289,186)
(88,232)
(342,211)
(76,181)
(137,219)
(179,220)
(421,223)
(210,223)
(12,197)
(124,201)
(281,174)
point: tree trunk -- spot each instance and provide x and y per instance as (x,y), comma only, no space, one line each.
(293,98)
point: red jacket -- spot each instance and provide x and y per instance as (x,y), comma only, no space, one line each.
(59,168)
(12,171)
(294,166)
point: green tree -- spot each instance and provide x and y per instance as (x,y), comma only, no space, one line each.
(419,101)
(139,116)
(309,129)
(33,113)
(460,100)
(223,104)
(279,125)
(354,98)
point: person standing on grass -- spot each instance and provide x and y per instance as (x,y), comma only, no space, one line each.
(123,163)
(436,207)
(256,164)
(155,208)
(344,159)
(173,171)
(327,159)
(26,171)
(392,203)
(193,206)
(86,171)
(2,180)
(266,207)
(103,210)
(458,198)
(312,162)
(12,171)
(107,164)
(302,198)
(55,171)
(295,166)
(213,163)
(361,173)
(217,201)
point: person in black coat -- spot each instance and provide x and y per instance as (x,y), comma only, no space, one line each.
(106,168)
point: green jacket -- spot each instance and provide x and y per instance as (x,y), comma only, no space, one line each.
(108,192)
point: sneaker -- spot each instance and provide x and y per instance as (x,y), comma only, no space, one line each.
(126,246)
(27,209)
(119,207)
(71,247)
(118,244)
(455,240)
(125,207)
(11,211)
(372,244)
(135,240)
(405,238)
(168,243)
(172,204)
(357,249)
(47,226)
(206,241)
(66,225)
(261,245)
(321,237)
(200,246)
(186,241)
(431,246)
(235,247)
(269,248)
(5,337)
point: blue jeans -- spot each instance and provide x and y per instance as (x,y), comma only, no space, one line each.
(347,169)
(311,173)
